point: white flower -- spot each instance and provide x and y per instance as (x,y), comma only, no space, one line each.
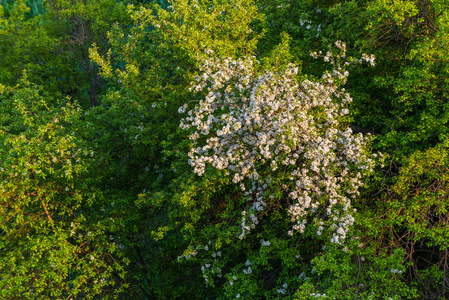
(182,108)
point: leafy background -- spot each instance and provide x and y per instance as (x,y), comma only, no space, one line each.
(98,199)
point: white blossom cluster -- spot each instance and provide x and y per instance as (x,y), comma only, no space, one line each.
(254,125)
(210,266)
(283,289)
(264,243)
(308,25)
(208,270)
(334,59)
(318,295)
(211,269)
(369,59)
(248,270)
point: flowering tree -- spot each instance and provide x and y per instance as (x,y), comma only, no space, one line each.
(281,138)
(259,126)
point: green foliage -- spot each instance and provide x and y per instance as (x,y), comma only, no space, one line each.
(97,195)
(53,46)
(53,243)
(16,41)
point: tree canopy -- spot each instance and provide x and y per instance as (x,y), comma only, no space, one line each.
(212,149)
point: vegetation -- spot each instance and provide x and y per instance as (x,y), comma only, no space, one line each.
(212,149)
